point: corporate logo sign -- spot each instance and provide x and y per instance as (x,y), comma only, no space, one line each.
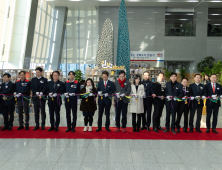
(146,56)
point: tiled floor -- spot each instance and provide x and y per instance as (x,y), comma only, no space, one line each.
(102,154)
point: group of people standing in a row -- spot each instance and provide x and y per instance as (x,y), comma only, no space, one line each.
(178,98)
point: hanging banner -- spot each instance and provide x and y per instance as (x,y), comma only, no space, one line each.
(146,56)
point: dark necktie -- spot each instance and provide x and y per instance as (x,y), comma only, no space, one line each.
(184,91)
(198,89)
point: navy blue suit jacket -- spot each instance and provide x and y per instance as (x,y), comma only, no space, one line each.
(108,89)
(194,93)
(208,91)
(177,92)
(9,89)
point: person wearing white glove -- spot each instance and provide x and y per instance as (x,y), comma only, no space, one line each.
(168,97)
(72,87)
(137,106)
(23,88)
(196,90)
(56,87)
(183,107)
(122,86)
(214,90)
(107,88)
(88,105)
(122,95)
(39,87)
(174,89)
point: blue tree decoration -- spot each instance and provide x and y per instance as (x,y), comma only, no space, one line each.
(123,47)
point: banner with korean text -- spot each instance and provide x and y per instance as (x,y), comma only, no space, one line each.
(146,56)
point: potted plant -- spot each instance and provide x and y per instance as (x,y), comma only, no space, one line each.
(78,75)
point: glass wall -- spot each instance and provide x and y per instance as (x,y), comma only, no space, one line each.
(43,27)
(81,40)
(179,24)
(214,22)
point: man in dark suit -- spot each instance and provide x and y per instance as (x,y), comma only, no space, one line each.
(72,87)
(173,90)
(39,88)
(213,90)
(122,90)
(55,88)
(8,101)
(183,107)
(147,101)
(196,92)
(158,90)
(105,88)
(23,87)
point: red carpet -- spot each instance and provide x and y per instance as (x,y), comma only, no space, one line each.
(79,134)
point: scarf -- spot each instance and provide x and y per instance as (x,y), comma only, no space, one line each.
(162,83)
(122,82)
(88,89)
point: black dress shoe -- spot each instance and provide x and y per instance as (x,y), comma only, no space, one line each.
(138,130)
(4,128)
(185,130)
(98,129)
(36,128)
(178,130)
(134,130)
(173,131)
(73,130)
(108,130)
(56,129)
(208,131)
(148,129)
(51,128)
(166,130)
(27,128)
(143,128)
(20,127)
(9,128)
(214,131)
(156,130)
(43,127)
(160,128)
(198,130)
(191,130)
(68,129)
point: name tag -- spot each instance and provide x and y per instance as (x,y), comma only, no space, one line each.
(73,86)
(218,88)
(176,88)
(41,81)
(187,91)
(6,87)
(58,85)
(124,83)
(108,86)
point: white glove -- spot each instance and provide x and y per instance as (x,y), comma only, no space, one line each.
(192,98)
(90,94)
(37,93)
(106,95)
(19,94)
(117,95)
(15,94)
(100,93)
(50,94)
(54,95)
(40,94)
(168,97)
(184,98)
(141,96)
(197,96)
(214,97)
(221,96)
(203,97)
(174,99)
(72,94)
(66,95)
(122,95)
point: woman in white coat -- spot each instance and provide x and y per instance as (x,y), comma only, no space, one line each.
(137,92)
